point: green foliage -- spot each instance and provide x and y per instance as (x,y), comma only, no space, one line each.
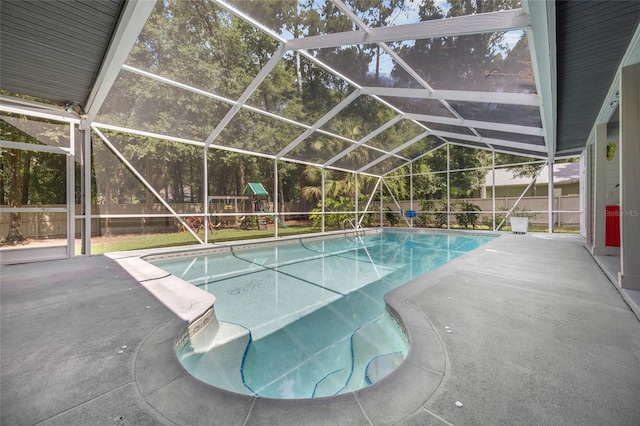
(392,217)
(201,44)
(436,219)
(467,216)
(333,221)
(523,212)
(30,177)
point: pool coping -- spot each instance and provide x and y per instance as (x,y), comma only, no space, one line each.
(183,399)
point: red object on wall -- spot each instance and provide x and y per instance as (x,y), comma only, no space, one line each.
(612,226)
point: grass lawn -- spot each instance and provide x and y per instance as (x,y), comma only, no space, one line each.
(100,245)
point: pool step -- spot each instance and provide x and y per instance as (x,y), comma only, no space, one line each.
(382,365)
(374,346)
(217,358)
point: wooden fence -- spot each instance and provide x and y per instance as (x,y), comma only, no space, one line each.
(567,206)
(54,224)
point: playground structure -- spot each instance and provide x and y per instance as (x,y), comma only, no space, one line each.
(247,211)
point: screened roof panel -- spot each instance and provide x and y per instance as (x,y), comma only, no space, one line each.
(33,130)
(523,115)
(386,165)
(295,19)
(141,103)
(358,158)
(517,137)
(366,65)
(318,149)
(479,62)
(299,89)
(449,128)
(255,132)
(396,135)
(499,148)
(283,95)
(421,147)
(359,118)
(202,45)
(419,106)
(413,12)
(117,182)
(197,71)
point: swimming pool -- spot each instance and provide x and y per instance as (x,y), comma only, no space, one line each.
(313,310)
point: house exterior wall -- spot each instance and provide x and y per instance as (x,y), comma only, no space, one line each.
(541,190)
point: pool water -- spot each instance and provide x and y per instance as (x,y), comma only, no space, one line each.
(314,310)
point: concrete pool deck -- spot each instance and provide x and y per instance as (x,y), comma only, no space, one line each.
(539,335)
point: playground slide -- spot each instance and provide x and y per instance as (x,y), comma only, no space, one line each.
(272,218)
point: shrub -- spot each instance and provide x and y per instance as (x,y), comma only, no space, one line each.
(467,217)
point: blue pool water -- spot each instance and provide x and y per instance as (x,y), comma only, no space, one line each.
(314,308)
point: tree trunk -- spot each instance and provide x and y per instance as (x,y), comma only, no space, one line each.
(26,177)
(15,235)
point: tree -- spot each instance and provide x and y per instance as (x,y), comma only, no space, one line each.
(462,184)
(33,177)
(524,168)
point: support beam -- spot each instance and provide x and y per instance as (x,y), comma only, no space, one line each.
(488,125)
(86,191)
(394,151)
(462,25)
(323,197)
(599,190)
(550,197)
(629,276)
(321,122)
(132,20)
(205,195)
(144,182)
(275,198)
(264,72)
(364,140)
(493,190)
(456,95)
(448,187)
(71,192)
(495,143)
(542,45)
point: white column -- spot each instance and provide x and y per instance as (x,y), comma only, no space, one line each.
(493,190)
(381,202)
(411,190)
(322,204)
(86,190)
(71,188)
(584,194)
(275,198)
(356,202)
(205,176)
(590,195)
(599,189)
(448,189)
(629,276)
(550,198)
